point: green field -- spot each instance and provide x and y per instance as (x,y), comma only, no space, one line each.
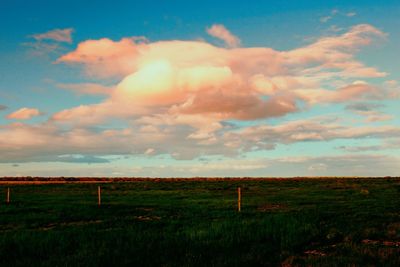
(284,222)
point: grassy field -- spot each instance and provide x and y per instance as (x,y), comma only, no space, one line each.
(284,222)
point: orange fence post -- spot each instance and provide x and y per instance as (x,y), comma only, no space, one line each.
(99,195)
(239,199)
(8,196)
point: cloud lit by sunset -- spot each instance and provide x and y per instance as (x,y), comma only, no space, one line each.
(215,96)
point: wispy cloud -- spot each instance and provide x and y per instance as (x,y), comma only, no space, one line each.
(334,13)
(49,42)
(389,144)
(57,35)
(89,159)
(370,110)
(221,32)
(325,19)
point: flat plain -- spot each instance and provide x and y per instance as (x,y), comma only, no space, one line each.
(195,222)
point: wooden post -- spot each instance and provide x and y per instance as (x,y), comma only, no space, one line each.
(239,199)
(99,195)
(8,196)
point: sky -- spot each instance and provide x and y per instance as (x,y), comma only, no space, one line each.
(199,88)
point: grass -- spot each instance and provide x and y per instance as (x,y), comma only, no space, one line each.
(288,222)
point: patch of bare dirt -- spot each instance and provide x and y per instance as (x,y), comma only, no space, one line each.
(147,218)
(77,223)
(382,243)
(315,252)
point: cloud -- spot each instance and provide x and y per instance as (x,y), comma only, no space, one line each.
(79,159)
(361,148)
(3,107)
(197,85)
(351,14)
(339,165)
(149,151)
(334,13)
(106,58)
(354,165)
(389,144)
(187,99)
(312,130)
(325,19)
(392,83)
(51,42)
(337,52)
(354,91)
(196,78)
(219,31)
(24,114)
(318,167)
(172,136)
(363,106)
(370,111)
(33,143)
(40,49)
(57,35)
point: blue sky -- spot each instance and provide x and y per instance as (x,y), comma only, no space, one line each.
(178,88)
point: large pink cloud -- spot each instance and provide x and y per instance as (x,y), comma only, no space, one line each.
(181,78)
(180,97)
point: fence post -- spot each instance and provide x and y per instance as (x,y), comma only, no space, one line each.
(239,199)
(99,195)
(8,196)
